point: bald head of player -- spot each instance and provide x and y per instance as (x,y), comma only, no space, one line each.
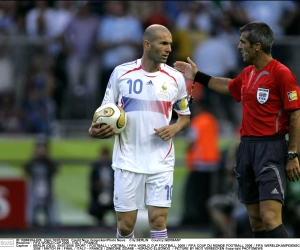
(154,31)
(157,41)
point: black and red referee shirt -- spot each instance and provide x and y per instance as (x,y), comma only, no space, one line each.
(266,96)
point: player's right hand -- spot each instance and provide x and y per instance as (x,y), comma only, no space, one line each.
(101,132)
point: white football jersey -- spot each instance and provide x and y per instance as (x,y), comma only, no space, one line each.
(148,100)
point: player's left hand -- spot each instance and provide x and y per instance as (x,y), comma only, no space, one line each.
(166,132)
(293,170)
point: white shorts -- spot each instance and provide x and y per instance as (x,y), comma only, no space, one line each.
(134,191)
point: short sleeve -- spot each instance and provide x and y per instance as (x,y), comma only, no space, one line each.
(112,90)
(288,89)
(235,88)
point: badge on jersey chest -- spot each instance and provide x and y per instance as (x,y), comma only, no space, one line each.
(163,92)
(262,95)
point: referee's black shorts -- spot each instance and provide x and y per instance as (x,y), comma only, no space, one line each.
(260,168)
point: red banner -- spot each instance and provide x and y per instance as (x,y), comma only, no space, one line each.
(12,204)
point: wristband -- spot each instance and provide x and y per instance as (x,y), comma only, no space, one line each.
(202,78)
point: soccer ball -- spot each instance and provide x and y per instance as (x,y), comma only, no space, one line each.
(112,114)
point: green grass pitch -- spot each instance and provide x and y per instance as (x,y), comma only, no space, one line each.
(75,155)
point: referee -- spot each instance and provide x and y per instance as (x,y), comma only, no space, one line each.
(270,99)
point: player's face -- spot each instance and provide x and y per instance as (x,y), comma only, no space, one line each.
(161,48)
(247,50)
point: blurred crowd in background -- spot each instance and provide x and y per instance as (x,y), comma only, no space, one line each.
(56,58)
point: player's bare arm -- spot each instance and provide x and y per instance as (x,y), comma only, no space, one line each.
(189,71)
(167,132)
(103,132)
(292,166)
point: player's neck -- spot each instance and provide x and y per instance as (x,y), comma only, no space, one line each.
(149,66)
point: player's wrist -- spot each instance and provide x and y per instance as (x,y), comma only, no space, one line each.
(179,128)
(202,78)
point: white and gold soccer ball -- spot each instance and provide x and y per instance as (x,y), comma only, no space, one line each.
(112,114)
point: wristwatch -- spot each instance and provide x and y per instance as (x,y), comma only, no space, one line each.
(291,155)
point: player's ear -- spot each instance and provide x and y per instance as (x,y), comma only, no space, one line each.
(147,45)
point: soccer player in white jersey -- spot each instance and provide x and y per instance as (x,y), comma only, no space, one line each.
(143,156)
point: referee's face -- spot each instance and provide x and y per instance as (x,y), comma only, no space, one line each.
(248,51)
(160,48)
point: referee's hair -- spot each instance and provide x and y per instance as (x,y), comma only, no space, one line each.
(259,32)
